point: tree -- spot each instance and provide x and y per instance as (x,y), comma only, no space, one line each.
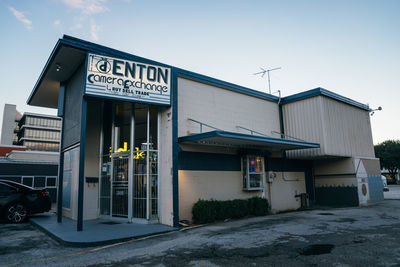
(389,154)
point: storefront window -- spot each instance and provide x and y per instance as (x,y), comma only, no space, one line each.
(253,172)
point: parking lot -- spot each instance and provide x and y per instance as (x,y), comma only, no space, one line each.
(393,193)
(362,236)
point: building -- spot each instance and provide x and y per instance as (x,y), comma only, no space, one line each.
(31,168)
(142,141)
(39,132)
(9,129)
(29,149)
(36,132)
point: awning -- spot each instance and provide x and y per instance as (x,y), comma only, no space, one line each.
(238,140)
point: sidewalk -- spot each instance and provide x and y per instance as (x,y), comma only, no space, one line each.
(95,232)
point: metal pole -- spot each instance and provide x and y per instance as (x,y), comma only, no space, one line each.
(82,165)
(158,160)
(131,166)
(147,166)
(269,82)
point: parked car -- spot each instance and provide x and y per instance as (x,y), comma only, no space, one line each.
(384,181)
(17,201)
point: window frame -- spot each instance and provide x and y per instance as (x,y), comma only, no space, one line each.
(28,176)
(246,176)
(55,185)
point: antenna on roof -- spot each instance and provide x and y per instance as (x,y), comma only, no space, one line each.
(263,71)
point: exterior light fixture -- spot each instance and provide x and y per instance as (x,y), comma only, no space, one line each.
(58,67)
(377,109)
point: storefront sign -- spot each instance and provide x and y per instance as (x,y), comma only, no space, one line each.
(128,80)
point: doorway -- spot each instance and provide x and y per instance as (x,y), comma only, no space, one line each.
(129,167)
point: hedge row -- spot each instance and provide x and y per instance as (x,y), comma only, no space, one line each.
(206,211)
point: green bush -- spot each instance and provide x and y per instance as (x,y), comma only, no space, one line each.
(259,206)
(206,211)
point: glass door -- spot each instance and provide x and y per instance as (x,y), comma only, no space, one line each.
(120,159)
(129,168)
(145,162)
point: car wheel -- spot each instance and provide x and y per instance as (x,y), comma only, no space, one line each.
(16,213)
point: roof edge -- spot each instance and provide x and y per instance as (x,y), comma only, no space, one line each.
(44,71)
(245,136)
(321,91)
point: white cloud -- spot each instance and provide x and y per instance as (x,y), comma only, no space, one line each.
(21,17)
(56,23)
(94,29)
(87,7)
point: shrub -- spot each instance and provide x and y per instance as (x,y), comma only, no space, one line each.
(206,211)
(259,206)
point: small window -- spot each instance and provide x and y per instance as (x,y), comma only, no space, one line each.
(40,181)
(51,181)
(253,172)
(27,180)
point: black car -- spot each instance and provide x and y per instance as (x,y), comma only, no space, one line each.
(17,201)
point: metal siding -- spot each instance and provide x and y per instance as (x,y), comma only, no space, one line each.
(302,119)
(223,109)
(72,112)
(348,130)
(375,185)
(19,169)
(341,129)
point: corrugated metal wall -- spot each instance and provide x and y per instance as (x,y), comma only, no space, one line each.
(348,130)
(375,188)
(304,120)
(73,109)
(341,130)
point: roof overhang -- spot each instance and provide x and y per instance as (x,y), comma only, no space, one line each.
(62,63)
(244,141)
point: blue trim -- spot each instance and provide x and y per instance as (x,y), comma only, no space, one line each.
(61,107)
(226,85)
(337,196)
(287,165)
(122,99)
(194,161)
(61,96)
(79,226)
(246,137)
(175,148)
(44,71)
(106,51)
(321,91)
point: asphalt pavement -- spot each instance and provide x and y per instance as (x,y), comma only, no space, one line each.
(360,236)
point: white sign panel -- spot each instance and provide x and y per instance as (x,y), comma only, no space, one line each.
(129,80)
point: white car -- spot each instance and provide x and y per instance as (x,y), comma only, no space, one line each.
(384,181)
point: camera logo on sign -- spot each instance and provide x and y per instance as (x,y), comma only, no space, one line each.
(103,66)
(128,80)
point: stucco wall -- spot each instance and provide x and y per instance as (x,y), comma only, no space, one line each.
(223,109)
(218,185)
(227,185)
(335,172)
(92,150)
(165,168)
(283,190)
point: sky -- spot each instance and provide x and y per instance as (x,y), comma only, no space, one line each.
(349,47)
